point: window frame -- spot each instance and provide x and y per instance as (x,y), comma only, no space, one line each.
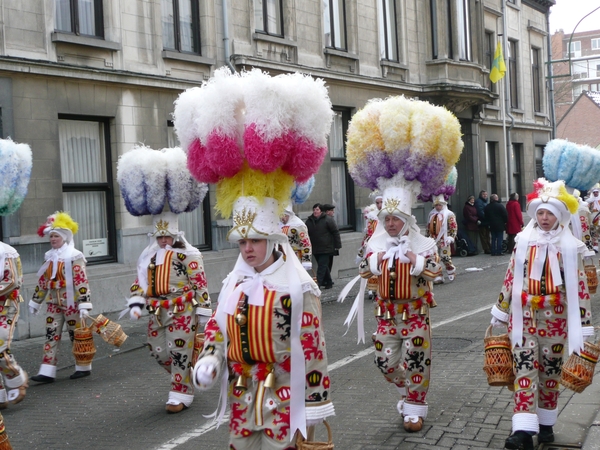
(490,166)
(172,141)
(536,81)
(196,39)
(596,42)
(513,73)
(106,187)
(575,53)
(384,35)
(489,52)
(265,19)
(517,172)
(464,32)
(75,25)
(349,183)
(332,37)
(434,29)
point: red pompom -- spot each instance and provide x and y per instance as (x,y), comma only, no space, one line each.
(197,165)
(262,155)
(41,229)
(304,160)
(223,155)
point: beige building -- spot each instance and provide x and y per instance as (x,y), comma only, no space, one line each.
(82,81)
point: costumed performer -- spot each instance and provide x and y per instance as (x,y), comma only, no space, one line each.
(545,303)
(594,205)
(264,343)
(15,172)
(405,148)
(442,226)
(370,215)
(294,228)
(63,285)
(170,283)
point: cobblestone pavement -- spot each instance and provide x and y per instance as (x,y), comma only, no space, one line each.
(121,406)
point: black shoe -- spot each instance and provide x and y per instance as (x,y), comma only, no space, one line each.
(80,374)
(42,379)
(519,440)
(546,434)
(328,287)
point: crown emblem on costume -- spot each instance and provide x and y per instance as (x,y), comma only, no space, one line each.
(244,218)
(162,226)
(391,204)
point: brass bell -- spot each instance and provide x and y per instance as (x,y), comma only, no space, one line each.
(241,319)
(378,311)
(151,266)
(423,310)
(393,275)
(433,304)
(388,315)
(270,380)
(194,302)
(241,383)
(157,314)
(405,315)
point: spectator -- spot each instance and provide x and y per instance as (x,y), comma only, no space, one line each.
(515,220)
(325,238)
(484,229)
(497,217)
(470,220)
(330,211)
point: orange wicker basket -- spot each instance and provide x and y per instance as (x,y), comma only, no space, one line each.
(592,277)
(83,345)
(110,331)
(302,444)
(498,359)
(578,371)
(4,442)
(198,345)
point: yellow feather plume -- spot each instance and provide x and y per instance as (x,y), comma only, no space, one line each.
(63,220)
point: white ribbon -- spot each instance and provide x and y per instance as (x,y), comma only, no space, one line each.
(398,249)
(576,226)
(67,253)
(547,251)
(357,310)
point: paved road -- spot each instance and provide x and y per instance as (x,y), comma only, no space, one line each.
(121,406)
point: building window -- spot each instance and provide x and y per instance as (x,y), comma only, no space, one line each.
(449,39)
(334,19)
(342,186)
(577,90)
(536,79)
(81,17)
(88,184)
(516,170)
(514,2)
(268,16)
(463,23)
(596,44)
(575,49)
(388,30)
(181,25)
(490,49)
(196,224)
(512,72)
(490,166)
(434,29)
(539,168)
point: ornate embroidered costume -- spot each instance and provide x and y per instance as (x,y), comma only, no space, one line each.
(442,228)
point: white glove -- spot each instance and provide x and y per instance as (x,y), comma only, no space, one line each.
(33,310)
(497,323)
(205,372)
(449,240)
(83,313)
(307,266)
(404,245)
(135,312)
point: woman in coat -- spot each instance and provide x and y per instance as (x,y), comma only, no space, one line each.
(471,220)
(515,220)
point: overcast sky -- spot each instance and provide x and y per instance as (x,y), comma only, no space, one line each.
(566,13)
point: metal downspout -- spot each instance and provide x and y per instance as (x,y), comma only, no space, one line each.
(226,37)
(550,79)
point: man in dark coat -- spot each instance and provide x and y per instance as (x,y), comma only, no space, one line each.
(484,229)
(496,216)
(325,239)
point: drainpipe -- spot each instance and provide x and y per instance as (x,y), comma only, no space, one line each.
(226,37)
(551,78)
(507,133)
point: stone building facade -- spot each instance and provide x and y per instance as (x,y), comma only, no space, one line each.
(82,81)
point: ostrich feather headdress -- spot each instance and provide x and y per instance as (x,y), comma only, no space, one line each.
(577,165)
(406,148)
(255,136)
(148,178)
(15,172)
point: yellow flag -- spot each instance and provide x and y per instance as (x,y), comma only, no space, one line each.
(498,67)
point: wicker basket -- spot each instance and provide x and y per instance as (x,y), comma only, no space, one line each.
(110,331)
(498,359)
(302,444)
(83,345)
(592,278)
(198,345)
(4,442)
(578,371)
